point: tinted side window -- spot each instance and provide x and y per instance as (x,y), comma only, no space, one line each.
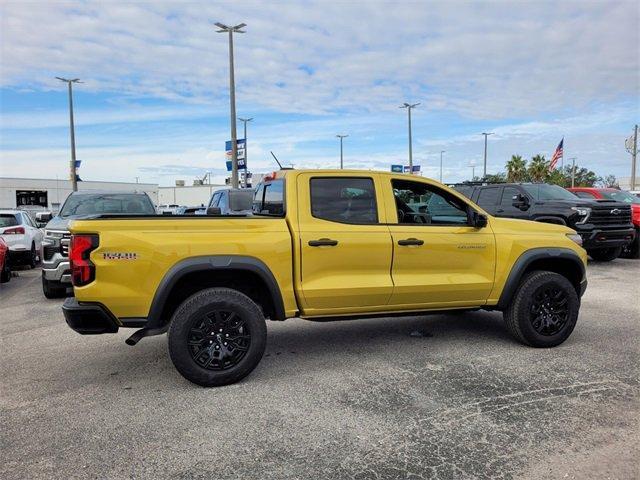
(507,196)
(344,200)
(269,198)
(424,204)
(488,196)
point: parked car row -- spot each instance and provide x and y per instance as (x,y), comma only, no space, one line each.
(604,220)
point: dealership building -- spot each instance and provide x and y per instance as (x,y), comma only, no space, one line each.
(50,194)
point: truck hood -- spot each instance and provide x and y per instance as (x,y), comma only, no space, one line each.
(527,227)
(582,202)
(58,223)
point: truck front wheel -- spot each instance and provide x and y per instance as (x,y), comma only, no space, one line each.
(217,337)
(544,310)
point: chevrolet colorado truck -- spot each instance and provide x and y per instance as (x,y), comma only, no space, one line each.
(319,245)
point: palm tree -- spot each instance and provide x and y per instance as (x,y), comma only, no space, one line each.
(538,169)
(516,169)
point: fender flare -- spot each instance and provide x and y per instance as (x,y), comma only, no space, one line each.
(212,263)
(526,259)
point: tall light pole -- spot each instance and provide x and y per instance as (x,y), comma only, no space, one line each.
(485,153)
(410,106)
(441,152)
(472,164)
(573,171)
(232,100)
(341,159)
(72,164)
(246,162)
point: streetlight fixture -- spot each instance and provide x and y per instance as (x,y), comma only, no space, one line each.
(341,137)
(472,164)
(410,106)
(441,152)
(485,153)
(232,100)
(246,163)
(72,164)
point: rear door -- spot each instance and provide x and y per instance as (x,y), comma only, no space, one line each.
(345,245)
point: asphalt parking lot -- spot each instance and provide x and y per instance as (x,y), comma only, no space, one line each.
(443,396)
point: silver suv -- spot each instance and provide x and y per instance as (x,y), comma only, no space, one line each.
(56,272)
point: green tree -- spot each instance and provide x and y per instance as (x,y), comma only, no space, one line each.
(538,169)
(610,181)
(495,177)
(584,177)
(516,169)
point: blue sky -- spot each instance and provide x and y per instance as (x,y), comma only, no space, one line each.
(154,104)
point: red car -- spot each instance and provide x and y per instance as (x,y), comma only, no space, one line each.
(5,269)
(633,249)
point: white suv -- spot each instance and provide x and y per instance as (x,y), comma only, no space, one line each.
(22,236)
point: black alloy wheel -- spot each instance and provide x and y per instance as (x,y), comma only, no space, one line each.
(218,339)
(549,310)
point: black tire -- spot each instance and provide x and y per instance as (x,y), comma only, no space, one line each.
(191,344)
(605,254)
(633,249)
(53,289)
(5,275)
(33,256)
(536,329)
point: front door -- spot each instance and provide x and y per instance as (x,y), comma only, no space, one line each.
(346,249)
(439,259)
(506,208)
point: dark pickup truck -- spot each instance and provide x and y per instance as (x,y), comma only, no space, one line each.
(605,226)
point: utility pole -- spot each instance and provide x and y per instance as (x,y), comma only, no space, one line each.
(441,152)
(632,147)
(472,164)
(72,163)
(341,159)
(246,163)
(232,99)
(485,153)
(409,106)
(573,171)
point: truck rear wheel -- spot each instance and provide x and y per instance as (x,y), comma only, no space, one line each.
(53,289)
(217,337)
(605,254)
(544,310)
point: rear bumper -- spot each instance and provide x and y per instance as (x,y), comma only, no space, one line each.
(88,318)
(607,238)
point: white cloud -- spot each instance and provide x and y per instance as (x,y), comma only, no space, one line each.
(483,60)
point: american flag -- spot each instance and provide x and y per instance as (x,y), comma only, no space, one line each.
(557,155)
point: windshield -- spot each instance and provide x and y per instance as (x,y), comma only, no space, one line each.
(620,196)
(542,191)
(129,204)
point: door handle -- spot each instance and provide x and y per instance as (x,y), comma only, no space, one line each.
(500,210)
(410,241)
(323,242)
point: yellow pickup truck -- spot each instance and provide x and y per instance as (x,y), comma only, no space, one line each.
(319,245)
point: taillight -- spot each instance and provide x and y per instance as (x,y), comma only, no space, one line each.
(82,270)
(14,231)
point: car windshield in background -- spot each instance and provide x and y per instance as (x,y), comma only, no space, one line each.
(269,198)
(7,220)
(621,196)
(128,204)
(543,191)
(240,200)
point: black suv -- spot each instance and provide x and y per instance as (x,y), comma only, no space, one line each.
(605,226)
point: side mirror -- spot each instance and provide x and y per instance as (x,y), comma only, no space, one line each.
(520,201)
(43,217)
(214,211)
(479,220)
